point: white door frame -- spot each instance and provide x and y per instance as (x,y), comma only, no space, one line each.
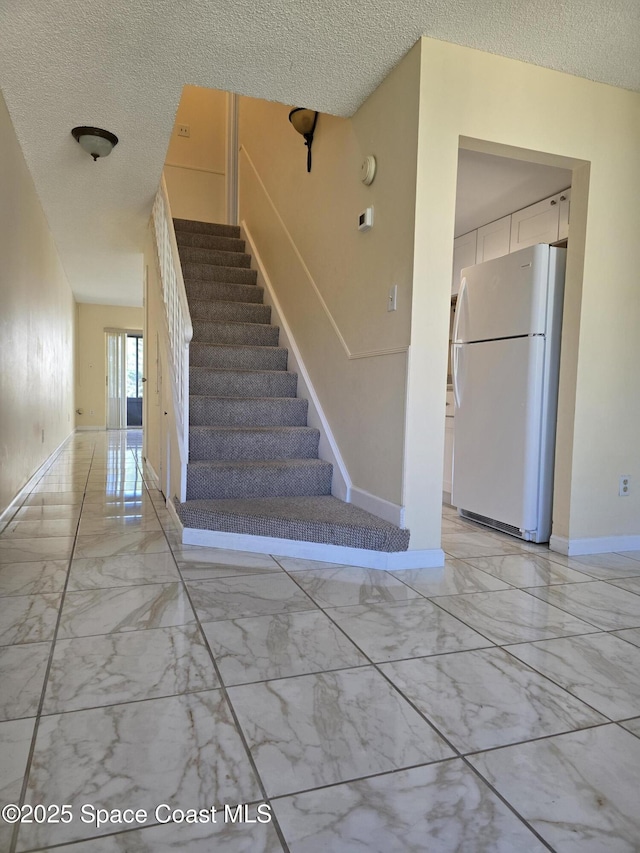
(231,178)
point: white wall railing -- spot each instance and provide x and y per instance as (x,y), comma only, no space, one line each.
(178,319)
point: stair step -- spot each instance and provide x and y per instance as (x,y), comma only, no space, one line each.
(235,312)
(237,357)
(251,334)
(253,443)
(222,291)
(271,478)
(215,228)
(213,382)
(214,272)
(323,519)
(247,411)
(209,241)
(193,254)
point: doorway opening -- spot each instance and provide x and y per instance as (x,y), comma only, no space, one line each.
(125,380)
(508,201)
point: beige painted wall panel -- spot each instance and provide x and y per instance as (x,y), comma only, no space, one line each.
(305,228)
(473,94)
(196,194)
(91,369)
(37,326)
(195,166)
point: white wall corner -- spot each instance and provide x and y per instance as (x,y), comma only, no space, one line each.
(594,545)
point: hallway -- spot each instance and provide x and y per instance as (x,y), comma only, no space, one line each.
(491,706)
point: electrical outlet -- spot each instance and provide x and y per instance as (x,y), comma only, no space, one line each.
(90,411)
(184,130)
(43,436)
(392,298)
(624,487)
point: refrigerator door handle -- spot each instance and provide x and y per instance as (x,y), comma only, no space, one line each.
(454,368)
(455,347)
(459,300)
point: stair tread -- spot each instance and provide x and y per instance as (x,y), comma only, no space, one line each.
(318,518)
(248,370)
(193,303)
(259,463)
(234,323)
(299,400)
(225,427)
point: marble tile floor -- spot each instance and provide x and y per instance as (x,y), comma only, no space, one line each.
(489,706)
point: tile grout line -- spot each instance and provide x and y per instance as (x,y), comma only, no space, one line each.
(232,711)
(457,753)
(23,791)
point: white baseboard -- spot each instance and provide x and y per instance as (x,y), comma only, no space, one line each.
(8,513)
(391,512)
(171,509)
(151,474)
(90,428)
(315,551)
(596,545)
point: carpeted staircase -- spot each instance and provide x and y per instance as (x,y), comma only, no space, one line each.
(253,461)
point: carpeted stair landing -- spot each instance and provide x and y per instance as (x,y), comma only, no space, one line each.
(253,461)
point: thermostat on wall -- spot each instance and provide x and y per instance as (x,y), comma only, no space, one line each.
(365,220)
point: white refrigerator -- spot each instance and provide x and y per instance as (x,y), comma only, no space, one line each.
(505,361)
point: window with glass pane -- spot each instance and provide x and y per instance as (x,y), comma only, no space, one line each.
(134,366)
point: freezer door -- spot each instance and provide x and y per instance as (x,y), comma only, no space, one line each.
(497,429)
(505,297)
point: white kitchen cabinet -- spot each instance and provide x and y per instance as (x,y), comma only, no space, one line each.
(563,210)
(538,223)
(493,240)
(464,255)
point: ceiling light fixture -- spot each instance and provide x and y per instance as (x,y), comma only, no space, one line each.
(304,121)
(95,141)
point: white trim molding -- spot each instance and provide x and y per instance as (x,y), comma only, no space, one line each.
(195,169)
(337,554)
(387,510)
(7,514)
(171,509)
(89,428)
(595,545)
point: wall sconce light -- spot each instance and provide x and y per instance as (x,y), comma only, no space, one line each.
(95,141)
(304,121)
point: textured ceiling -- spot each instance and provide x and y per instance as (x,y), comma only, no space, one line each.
(490,187)
(121,65)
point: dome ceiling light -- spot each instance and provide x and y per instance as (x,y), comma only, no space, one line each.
(95,141)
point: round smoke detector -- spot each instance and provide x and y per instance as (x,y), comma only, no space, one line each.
(368,169)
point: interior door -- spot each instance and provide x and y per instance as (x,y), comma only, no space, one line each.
(497,429)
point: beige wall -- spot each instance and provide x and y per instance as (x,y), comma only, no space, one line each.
(332,281)
(467,93)
(36,327)
(195,166)
(91,369)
